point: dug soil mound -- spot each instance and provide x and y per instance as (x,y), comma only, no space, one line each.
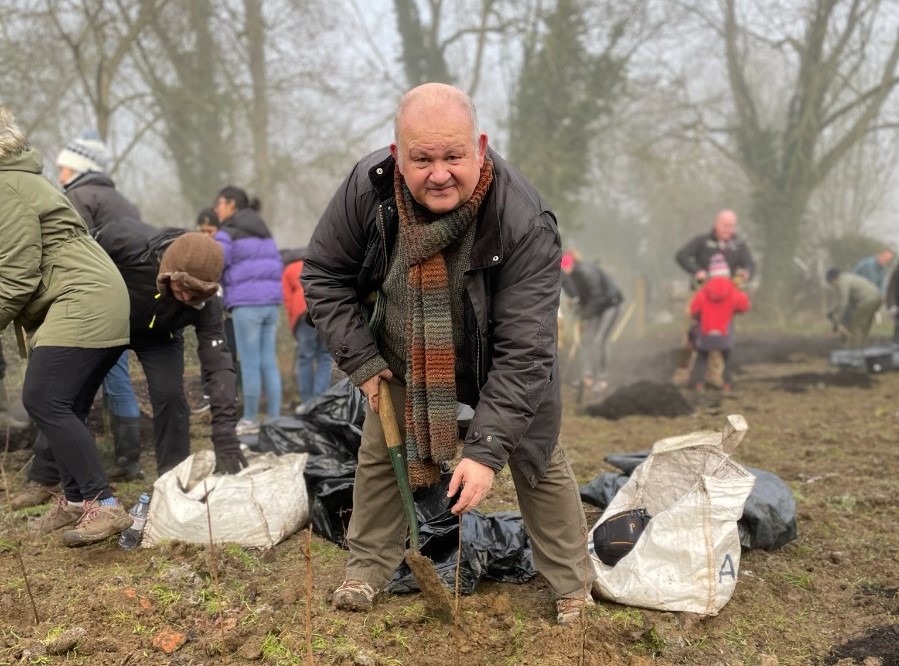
(644,398)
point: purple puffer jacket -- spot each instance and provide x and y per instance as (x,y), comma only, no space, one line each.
(253,265)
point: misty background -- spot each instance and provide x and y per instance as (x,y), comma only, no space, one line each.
(636,119)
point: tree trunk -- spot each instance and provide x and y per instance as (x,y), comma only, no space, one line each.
(259,112)
(779,214)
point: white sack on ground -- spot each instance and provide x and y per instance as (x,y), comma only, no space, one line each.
(688,557)
(260,506)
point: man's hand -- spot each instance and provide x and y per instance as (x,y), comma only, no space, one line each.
(700,276)
(370,388)
(476,480)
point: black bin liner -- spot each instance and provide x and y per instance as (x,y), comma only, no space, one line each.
(769,514)
(494,546)
(329,429)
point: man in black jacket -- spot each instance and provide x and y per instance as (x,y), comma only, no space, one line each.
(459,256)
(694,257)
(172,278)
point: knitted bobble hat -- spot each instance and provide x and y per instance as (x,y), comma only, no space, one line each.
(195,261)
(86,153)
(718,266)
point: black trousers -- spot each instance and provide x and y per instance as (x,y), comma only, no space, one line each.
(59,389)
(162,360)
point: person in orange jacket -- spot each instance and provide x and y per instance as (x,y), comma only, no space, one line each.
(314,363)
(714,306)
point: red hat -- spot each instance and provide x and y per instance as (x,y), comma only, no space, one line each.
(567,261)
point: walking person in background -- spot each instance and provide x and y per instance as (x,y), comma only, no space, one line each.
(70,302)
(252,292)
(714,307)
(598,301)
(313,361)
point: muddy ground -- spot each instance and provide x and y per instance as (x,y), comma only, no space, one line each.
(830,597)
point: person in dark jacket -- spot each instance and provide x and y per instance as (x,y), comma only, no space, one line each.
(436,269)
(252,292)
(892,302)
(172,278)
(598,301)
(82,167)
(694,257)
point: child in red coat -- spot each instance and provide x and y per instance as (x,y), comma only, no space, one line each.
(714,307)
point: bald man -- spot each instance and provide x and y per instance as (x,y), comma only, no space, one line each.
(694,257)
(460,257)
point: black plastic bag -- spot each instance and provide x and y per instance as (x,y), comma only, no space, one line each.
(329,429)
(769,514)
(494,546)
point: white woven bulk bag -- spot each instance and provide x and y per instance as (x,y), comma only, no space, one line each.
(260,506)
(688,557)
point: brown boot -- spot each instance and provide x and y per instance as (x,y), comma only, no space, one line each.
(61,515)
(34,493)
(97,523)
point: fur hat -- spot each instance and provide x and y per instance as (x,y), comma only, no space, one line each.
(86,153)
(12,140)
(718,266)
(193,260)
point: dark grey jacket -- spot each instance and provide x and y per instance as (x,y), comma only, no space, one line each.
(510,309)
(699,250)
(98,201)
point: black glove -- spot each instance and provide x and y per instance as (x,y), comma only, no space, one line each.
(229,459)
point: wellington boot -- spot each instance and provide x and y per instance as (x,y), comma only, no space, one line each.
(126,442)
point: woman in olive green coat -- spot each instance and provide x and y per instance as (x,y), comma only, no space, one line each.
(70,306)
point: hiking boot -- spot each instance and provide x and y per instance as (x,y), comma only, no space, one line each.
(61,515)
(202,406)
(246,427)
(354,595)
(34,493)
(98,523)
(569,609)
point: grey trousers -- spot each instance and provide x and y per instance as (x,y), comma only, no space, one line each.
(595,343)
(552,512)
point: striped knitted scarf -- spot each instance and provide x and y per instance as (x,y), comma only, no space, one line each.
(431,431)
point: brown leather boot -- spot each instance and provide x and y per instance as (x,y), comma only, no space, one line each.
(34,493)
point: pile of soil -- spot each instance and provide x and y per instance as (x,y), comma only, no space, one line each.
(644,398)
(882,643)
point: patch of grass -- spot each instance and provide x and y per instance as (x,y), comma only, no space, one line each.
(275,651)
(164,595)
(629,618)
(241,555)
(324,552)
(803,581)
(141,629)
(844,503)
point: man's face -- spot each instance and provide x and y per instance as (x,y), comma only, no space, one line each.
(437,156)
(884,257)
(725,226)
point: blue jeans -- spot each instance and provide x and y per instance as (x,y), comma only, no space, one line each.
(118,390)
(255,330)
(313,362)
